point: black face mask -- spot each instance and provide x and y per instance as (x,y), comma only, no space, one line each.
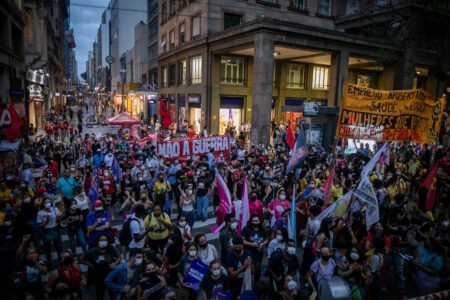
(150,274)
(161,179)
(68,260)
(99,212)
(238,251)
(203,245)
(326,257)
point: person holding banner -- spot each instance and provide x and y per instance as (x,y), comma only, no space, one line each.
(214,282)
(186,292)
(237,262)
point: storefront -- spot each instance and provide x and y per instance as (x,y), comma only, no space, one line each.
(230,113)
(181,113)
(151,104)
(195,112)
(135,104)
(36,106)
(172,108)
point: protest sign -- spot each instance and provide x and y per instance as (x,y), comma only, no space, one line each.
(195,274)
(183,149)
(401,115)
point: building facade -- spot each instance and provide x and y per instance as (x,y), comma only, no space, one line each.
(140,59)
(153,26)
(124,16)
(225,64)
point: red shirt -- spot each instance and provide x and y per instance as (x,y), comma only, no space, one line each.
(256,207)
(108,185)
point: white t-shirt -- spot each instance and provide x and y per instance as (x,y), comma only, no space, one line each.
(82,201)
(51,215)
(137,227)
(207,255)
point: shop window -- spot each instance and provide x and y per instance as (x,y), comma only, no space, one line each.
(232,70)
(172,38)
(320,78)
(172,75)
(182,30)
(231,20)
(295,76)
(182,72)
(196,70)
(164,76)
(196,26)
(324,7)
(297,4)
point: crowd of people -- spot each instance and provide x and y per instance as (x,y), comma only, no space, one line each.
(86,184)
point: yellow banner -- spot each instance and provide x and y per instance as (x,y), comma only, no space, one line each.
(402,115)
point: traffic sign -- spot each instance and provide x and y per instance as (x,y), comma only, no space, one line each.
(109,59)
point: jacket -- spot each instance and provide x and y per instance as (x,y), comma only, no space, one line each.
(117,279)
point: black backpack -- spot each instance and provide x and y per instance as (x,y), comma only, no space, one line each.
(125,235)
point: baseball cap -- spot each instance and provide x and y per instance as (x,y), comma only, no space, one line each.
(98,203)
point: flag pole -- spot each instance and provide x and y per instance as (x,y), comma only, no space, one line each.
(293,218)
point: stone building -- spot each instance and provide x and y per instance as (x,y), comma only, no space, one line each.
(233,62)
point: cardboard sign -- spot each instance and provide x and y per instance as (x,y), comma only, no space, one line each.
(183,149)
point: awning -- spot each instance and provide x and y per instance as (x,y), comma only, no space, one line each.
(123,119)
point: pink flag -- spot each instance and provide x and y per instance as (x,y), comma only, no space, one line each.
(245,211)
(133,133)
(225,206)
(327,188)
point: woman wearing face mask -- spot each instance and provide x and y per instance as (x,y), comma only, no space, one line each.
(98,222)
(322,268)
(214,281)
(255,240)
(255,205)
(289,290)
(278,241)
(127,206)
(47,219)
(82,203)
(186,293)
(100,260)
(75,221)
(159,223)
(185,229)
(277,206)
(187,204)
(151,284)
(206,252)
(351,269)
(66,279)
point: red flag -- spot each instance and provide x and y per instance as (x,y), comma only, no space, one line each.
(327,188)
(13,132)
(165,114)
(430,184)
(290,139)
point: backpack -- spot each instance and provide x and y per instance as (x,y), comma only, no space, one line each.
(125,235)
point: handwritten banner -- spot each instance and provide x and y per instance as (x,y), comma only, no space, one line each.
(193,148)
(403,115)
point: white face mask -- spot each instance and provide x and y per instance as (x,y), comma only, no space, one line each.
(291,285)
(106,174)
(354,256)
(48,205)
(102,244)
(138,261)
(182,224)
(215,273)
(192,253)
(73,207)
(282,197)
(27,200)
(279,238)
(189,192)
(291,250)
(234,225)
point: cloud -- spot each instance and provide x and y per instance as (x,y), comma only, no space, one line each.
(85,21)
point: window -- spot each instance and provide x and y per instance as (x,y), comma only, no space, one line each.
(172,38)
(153,52)
(172,75)
(231,20)
(163,44)
(382,3)
(324,7)
(268,1)
(182,30)
(172,7)
(164,76)
(163,12)
(196,70)
(352,7)
(232,70)
(196,26)
(295,76)
(297,4)
(182,72)
(320,78)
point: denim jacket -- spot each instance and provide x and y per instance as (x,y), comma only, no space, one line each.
(117,279)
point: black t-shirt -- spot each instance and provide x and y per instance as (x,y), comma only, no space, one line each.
(202,187)
(280,265)
(235,262)
(251,235)
(173,254)
(72,227)
(210,284)
(101,260)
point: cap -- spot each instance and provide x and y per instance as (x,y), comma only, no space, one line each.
(98,203)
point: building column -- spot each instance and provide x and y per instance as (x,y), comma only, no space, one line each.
(386,80)
(262,89)
(405,68)
(338,76)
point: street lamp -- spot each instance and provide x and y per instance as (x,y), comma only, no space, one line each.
(123,75)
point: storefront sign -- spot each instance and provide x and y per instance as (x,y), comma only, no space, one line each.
(35,91)
(311,109)
(194,99)
(193,148)
(402,115)
(151,99)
